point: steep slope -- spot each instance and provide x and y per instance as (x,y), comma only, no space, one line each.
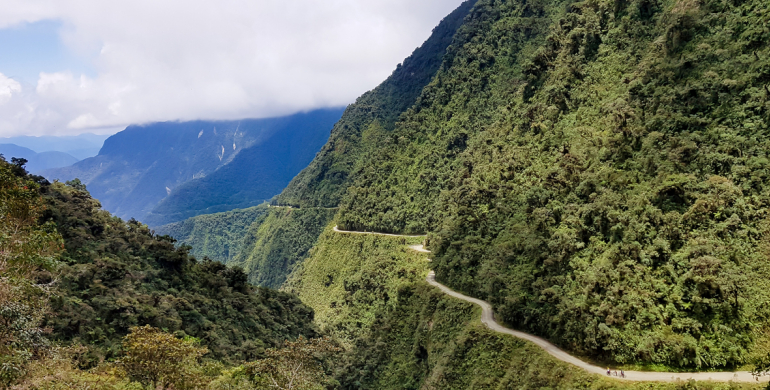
(272,250)
(256,174)
(273,246)
(142,165)
(370,291)
(219,236)
(115,275)
(266,242)
(596,170)
(363,124)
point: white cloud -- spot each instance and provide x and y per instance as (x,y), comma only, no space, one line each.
(8,87)
(202,59)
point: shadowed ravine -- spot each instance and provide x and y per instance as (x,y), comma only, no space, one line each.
(487,318)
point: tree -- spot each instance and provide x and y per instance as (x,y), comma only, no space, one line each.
(296,366)
(159,359)
(25,247)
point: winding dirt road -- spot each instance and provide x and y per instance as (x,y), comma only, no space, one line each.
(488,319)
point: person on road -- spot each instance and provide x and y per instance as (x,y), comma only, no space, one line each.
(609,373)
(622,374)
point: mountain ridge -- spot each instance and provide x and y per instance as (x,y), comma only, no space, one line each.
(139,167)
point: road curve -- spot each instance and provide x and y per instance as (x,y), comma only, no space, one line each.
(336,229)
(488,319)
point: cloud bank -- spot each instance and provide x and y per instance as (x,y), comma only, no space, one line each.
(201,59)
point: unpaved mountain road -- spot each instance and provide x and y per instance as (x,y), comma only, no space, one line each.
(488,319)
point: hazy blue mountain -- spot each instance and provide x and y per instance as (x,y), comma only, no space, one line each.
(140,166)
(37,162)
(256,174)
(79,146)
(12,150)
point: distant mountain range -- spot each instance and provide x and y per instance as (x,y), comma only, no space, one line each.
(79,146)
(37,162)
(201,166)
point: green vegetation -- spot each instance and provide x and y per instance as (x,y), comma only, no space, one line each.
(325,180)
(298,365)
(275,244)
(115,275)
(401,333)
(153,359)
(597,170)
(349,278)
(266,242)
(431,341)
(158,359)
(216,236)
(77,285)
(26,247)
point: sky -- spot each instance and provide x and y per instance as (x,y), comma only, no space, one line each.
(93,66)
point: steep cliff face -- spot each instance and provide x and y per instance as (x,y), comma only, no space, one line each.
(359,133)
(598,171)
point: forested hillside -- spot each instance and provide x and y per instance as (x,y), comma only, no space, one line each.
(217,236)
(370,292)
(80,288)
(598,171)
(114,275)
(273,245)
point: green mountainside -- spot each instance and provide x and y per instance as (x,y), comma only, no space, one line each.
(597,170)
(369,292)
(357,135)
(114,275)
(217,236)
(89,301)
(266,242)
(283,239)
(268,253)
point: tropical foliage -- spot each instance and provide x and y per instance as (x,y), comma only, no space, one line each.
(26,248)
(274,245)
(158,359)
(217,236)
(116,275)
(597,170)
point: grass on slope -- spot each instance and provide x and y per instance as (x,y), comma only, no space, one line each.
(349,277)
